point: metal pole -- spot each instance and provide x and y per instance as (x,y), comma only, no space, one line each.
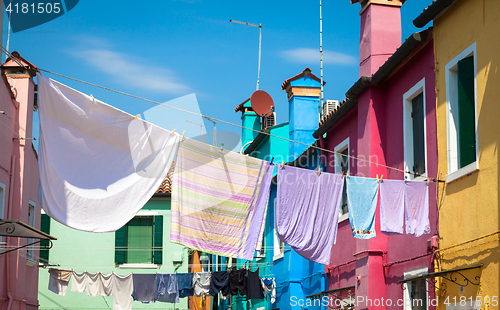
(321,53)
(260,48)
(8,31)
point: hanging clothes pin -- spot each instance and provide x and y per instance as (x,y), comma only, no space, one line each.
(381,177)
(272,159)
(173,131)
(182,137)
(377,178)
(282,164)
(342,174)
(137,116)
(319,171)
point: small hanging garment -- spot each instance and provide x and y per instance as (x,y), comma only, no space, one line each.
(201,283)
(238,282)
(417,208)
(145,288)
(307,205)
(219,199)
(392,206)
(123,286)
(272,287)
(254,286)
(79,283)
(185,282)
(362,194)
(219,282)
(168,288)
(58,280)
(98,165)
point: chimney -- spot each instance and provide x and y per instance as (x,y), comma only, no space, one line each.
(380,33)
(249,119)
(303,91)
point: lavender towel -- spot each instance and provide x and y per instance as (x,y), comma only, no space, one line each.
(307,211)
(417,208)
(362,194)
(392,206)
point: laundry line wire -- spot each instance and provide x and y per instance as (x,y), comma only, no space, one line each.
(224,122)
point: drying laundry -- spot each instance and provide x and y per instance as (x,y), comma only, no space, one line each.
(307,205)
(96,284)
(271,286)
(254,286)
(392,206)
(185,282)
(145,288)
(98,165)
(201,283)
(123,286)
(220,283)
(168,288)
(417,208)
(79,283)
(238,282)
(58,280)
(362,195)
(219,200)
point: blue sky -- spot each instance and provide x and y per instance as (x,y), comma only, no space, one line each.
(162,50)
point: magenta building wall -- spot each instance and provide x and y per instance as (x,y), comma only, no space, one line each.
(19,177)
(375,128)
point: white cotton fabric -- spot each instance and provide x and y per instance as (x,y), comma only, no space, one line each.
(98,165)
(79,283)
(59,280)
(99,284)
(123,286)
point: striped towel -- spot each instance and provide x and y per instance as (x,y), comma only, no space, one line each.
(219,200)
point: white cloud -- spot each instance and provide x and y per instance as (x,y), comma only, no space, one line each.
(311,56)
(132,71)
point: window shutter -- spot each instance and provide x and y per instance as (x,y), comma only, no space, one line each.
(466,112)
(45,227)
(157,239)
(417,115)
(121,245)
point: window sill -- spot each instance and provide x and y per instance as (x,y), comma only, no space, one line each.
(139,266)
(260,256)
(462,172)
(30,262)
(279,256)
(343,217)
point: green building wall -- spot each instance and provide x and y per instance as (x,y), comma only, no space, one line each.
(93,252)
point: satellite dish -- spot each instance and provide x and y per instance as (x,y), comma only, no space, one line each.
(262,103)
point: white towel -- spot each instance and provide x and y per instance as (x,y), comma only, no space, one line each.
(58,280)
(123,286)
(79,283)
(98,165)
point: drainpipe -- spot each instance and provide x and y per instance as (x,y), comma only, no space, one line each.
(9,215)
(323,155)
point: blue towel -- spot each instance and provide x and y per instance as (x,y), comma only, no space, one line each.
(145,288)
(362,194)
(185,281)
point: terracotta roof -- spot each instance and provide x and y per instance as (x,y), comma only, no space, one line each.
(166,185)
(326,117)
(31,66)
(306,72)
(240,106)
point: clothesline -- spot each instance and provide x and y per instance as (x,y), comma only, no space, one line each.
(224,122)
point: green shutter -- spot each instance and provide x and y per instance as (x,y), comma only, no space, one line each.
(121,245)
(466,112)
(417,115)
(158,239)
(140,240)
(45,227)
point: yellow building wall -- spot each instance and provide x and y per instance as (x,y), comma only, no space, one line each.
(468,207)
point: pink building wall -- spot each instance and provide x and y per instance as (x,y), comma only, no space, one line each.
(375,131)
(19,174)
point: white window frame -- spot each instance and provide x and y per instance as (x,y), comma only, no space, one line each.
(2,203)
(338,169)
(32,223)
(416,90)
(454,172)
(279,249)
(406,291)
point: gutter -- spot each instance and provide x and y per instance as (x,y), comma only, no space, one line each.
(256,142)
(400,55)
(431,12)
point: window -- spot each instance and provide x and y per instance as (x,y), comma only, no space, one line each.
(415,146)
(140,241)
(342,165)
(45,227)
(279,246)
(461,104)
(2,202)
(415,294)
(31,222)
